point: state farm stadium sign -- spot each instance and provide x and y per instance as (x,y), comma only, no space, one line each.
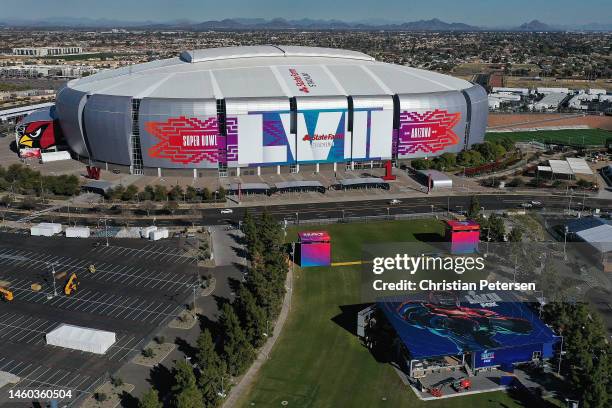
(197,141)
(303,81)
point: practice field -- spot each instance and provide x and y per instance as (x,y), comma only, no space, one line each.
(318,361)
(590,137)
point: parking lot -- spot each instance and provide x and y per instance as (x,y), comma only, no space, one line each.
(137,286)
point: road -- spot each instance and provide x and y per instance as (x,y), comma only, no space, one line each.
(322,210)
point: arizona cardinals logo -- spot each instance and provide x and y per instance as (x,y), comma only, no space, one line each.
(185,140)
(36,135)
(429,132)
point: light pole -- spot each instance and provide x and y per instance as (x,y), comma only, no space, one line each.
(432,208)
(388,215)
(297,218)
(53,280)
(565,243)
(560,356)
(106,230)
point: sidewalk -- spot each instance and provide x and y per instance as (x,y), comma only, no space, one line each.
(249,377)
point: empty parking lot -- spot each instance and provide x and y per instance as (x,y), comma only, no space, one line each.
(137,286)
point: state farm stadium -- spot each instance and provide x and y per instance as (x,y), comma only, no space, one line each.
(265,109)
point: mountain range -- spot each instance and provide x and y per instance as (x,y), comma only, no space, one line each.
(284,24)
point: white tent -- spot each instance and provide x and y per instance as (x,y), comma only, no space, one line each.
(81,338)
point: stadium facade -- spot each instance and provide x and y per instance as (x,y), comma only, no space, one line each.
(266,109)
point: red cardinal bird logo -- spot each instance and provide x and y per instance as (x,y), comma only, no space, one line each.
(36,135)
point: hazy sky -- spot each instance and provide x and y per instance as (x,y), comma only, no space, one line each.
(477,12)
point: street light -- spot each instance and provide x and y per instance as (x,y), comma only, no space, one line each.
(297,218)
(53,281)
(560,356)
(565,243)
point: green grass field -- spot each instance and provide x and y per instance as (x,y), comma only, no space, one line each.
(590,137)
(318,363)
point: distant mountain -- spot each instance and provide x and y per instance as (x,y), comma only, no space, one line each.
(434,24)
(536,25)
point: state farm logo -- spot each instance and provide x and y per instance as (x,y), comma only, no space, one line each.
(303,80)
(329,136)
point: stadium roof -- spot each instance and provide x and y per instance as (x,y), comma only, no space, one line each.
(265,71)
(512,324)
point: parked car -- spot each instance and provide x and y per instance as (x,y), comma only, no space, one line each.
(395,201)
(227,211)
(526,205)
(536,203)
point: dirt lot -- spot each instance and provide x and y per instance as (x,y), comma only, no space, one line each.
(530,120)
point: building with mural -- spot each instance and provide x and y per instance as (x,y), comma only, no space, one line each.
(266,109)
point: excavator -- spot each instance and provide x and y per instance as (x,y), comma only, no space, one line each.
(7,294)
(71,285)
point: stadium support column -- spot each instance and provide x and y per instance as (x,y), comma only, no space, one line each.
(396,126)
(468,119)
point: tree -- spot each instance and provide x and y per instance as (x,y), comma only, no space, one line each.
(171,206)
(420,164)
(249,229)
(212,369)
(237,351)
(130,193)
(150,399)
(474,209)
(497,230)
(516,234)
(175,193)
(160,193)
(185,391)
(252,316)
(191,193)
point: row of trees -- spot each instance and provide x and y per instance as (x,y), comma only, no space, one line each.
(162,193)
(243,325)
(20,179)
(479,154)
(586,361)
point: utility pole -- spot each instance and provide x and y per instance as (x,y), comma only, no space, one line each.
(560,356)
(565,243)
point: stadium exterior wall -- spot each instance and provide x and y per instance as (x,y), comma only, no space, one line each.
(231,133)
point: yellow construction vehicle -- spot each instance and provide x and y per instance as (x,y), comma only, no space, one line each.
(7,294)
(72,285)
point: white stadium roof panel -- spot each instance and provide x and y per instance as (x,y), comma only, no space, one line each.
(266,71)
(185,85)
(245,82)
(225,53)
(357,81)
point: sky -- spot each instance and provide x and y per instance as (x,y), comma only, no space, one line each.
(475,12)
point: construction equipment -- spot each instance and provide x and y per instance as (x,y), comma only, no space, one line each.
(7,294)
(461,384)
(72,285)
(458,384)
